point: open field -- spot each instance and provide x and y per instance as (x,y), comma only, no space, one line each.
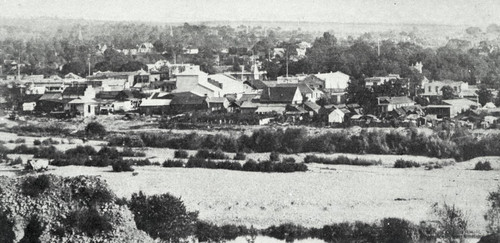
(323,195)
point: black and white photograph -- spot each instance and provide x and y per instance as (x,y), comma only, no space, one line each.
(250,121)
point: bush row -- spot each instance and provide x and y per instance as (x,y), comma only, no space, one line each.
(442,144)
(401,163)
(340,160)
(250,165)
(387,230)
(483,166)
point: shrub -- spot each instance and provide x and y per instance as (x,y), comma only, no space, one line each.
(162,216)
(17,161)
(251,165)
(453,222)
(36,142)
(287,232)
(231,232)
(398,230)
(128,152)
(202,154)
(20,140)
(140,162)
(194,162)
(125,140)
(94,129)
(342,232)
(81,150)
(340,160)
(173,163)
(228,165)
(23,149)
(35,186)
(100,161)
(492,216)
(400,163)
(49,141)
(289,167)
(218,154)
(181,154)
(89,221)
(240,156)
(91,193)
(483,166)
(110,152)
(122,166)
(207,232)
(7,228)
(274,156)
(33,230)
(288,160)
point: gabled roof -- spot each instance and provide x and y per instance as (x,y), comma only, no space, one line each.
(75,90)
(256,84)
(216,100)
(72,76)
(248,105)
(303,88)
(51,96)
(395,100)
(278,94)
(107,94)
(335,75)
(311,105)
(187,98)
(460,102)
(31,98)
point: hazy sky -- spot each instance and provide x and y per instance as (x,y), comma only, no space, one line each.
(469,12)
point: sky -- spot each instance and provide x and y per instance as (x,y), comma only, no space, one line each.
(455,12)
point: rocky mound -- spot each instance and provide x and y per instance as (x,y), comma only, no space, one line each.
(48,208)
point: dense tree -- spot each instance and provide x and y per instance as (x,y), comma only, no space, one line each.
(133,66)
(484,95)
(77,68)
(448,92)
(162,216)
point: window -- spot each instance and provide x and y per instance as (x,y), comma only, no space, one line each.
(88,109)
(437,89)
(430,88)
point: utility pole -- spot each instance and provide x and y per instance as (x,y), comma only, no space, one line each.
(378,46)
(286,51)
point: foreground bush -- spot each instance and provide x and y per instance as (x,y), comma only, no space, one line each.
(162,216)
(483,166)
(340,160)
(35,186)
(400,163)
(89,221)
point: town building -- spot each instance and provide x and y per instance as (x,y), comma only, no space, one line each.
(388,104)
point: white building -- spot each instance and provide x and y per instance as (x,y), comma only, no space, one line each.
(195,81)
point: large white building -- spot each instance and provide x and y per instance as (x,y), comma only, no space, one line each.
(196,81)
